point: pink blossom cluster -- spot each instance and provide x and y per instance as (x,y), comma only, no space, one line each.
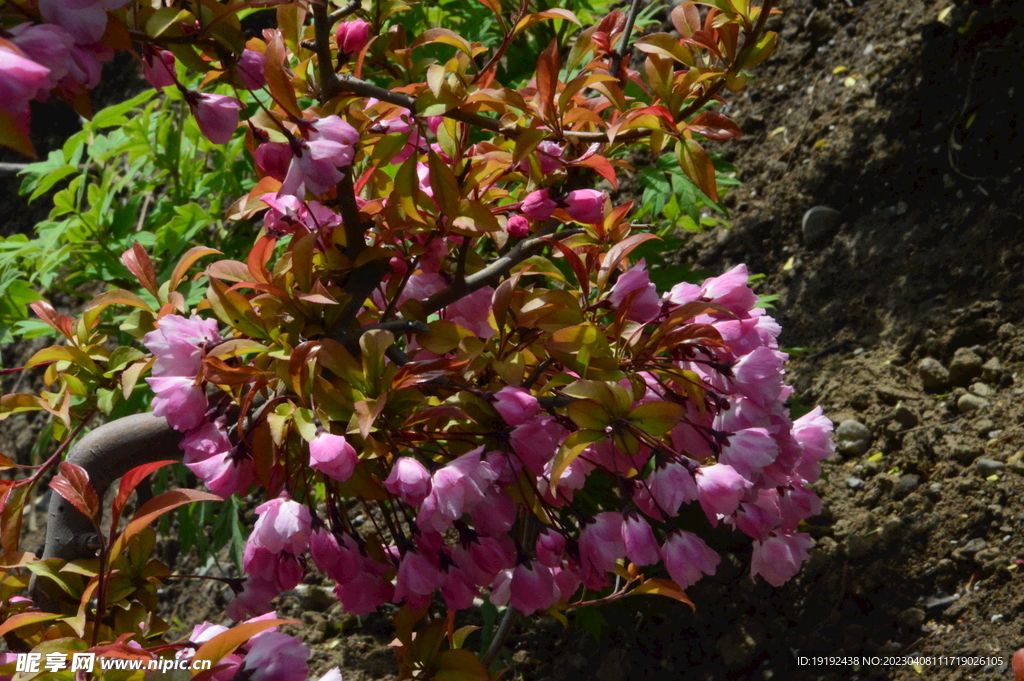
(179,344)
(311,162)
(739,457)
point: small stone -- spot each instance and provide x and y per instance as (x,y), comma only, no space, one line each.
(904,416)
(1006,331)
(935,487)
(982,390)
(983,426)
(905,485)
(965,367)
(987,467)
(934,376)
(969,404)
(911,618)
(992,371)
(964,452)
(820,223)
(854,483)
(973,546)
(853,438)
(986,555)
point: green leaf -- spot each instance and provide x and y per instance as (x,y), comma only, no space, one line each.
(656,418)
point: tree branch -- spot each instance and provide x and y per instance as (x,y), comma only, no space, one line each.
(329,88)
(496,270)
(106,454)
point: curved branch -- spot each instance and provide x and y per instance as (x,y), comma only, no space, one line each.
(106,454)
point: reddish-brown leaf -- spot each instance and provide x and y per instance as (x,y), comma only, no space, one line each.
(138,263)
(73,484)
(697,165)
(715,126)
(129,481)
(547,81)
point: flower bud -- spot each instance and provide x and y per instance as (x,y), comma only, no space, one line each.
(538,205)
(352,37)
(409,480)
(250,69)
(517,227)
(333,456)
(585,205)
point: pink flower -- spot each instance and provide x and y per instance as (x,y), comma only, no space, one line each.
(779,557)
(329,556)
(759,517)
(536,442)
(473,312)
(211,457)
(719,489)
(645,303)
(282,571)
(178,344)
(517,227)
(457,588)
(274,656)
(667,488)
(688,558)
(550,548)
(797,503)
(158,67)
(352,36)
(533,588)
(749,450)
(417,577)
(730,290)
(314,165)
(47,45)
(333,456)
(813,431)
(494,514)
(585,205)
(250,69)
(601,542)
(409,480)
(86,20)
(516,406)
(217,115)
(638,538)
(22,79)
(273,159)
(179,400)
(758,376)
(538,205)
(455,488)
(283,525)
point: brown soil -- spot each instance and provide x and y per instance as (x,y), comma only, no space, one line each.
(916,143)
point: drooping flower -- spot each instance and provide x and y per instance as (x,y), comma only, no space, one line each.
(217,115)
(250,69)
(315,162)
(645,304)
(283,525)
(533,588)
(719,489)
(538,205)
(516,406)
(536,441)
(779,557)
(667,488)
(638,538)
(86,20)
(47,45)
(409,480)
(473,312)
(333,456)
(688,558)
(158,67)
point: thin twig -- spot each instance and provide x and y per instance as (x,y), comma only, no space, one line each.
(348,9)
(496,270)
(329,87)
(624,50)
